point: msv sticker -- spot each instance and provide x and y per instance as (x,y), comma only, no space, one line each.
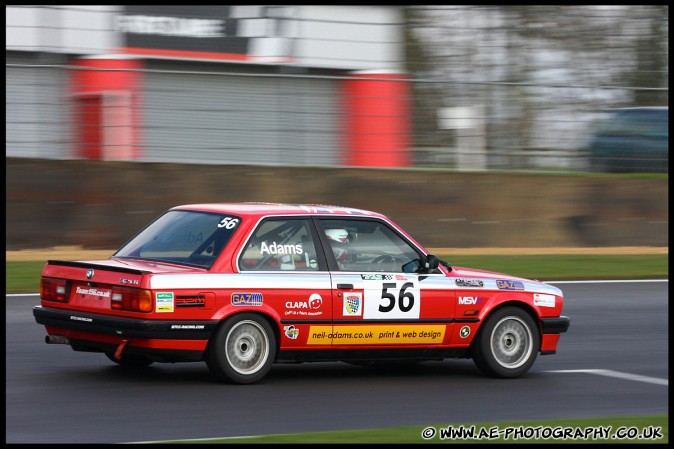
(506,284)
(247,299)
(470,300)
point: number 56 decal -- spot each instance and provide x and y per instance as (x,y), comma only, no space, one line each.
(391,298)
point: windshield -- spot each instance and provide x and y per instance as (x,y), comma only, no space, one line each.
(183,237)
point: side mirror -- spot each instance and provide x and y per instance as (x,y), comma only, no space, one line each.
(413,266)
(431,263)
(426,265)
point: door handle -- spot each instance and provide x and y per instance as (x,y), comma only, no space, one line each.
(344,286)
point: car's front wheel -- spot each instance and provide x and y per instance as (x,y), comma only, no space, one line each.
(242,350)
(507,344)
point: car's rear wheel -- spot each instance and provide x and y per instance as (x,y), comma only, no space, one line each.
(507,344)
(130,360)
(242,350)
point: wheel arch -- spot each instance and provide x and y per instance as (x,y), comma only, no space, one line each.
(524,306)
(267,317)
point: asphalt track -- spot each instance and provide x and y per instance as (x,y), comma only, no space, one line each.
(612,362)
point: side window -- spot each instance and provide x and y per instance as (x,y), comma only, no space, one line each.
(366,245)
(280,245)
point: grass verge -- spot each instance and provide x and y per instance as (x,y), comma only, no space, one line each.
(24,276)
(643,429)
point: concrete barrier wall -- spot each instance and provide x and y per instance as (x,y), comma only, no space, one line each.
(102,204)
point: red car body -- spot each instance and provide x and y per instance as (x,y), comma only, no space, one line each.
(242,286)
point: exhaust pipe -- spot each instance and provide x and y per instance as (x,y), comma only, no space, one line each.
(56,340)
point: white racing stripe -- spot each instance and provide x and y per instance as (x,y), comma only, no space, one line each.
(258,281)
(616,374)
(623,281)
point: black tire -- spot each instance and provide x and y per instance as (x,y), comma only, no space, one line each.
(131,360)
(507,343)
(242,350)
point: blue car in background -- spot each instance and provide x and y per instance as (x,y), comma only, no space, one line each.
(632,140)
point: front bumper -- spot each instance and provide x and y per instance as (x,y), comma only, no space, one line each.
(557,325)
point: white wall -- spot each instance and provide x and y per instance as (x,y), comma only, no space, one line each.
(349,37)
(61,29)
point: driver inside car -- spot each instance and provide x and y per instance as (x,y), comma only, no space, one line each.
(339,241)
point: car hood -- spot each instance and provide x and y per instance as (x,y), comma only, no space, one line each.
(475,273)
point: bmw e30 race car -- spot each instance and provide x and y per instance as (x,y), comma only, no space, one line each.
(243,286)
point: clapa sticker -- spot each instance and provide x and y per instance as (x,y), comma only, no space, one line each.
(353,304)
(543,300)
(164,302)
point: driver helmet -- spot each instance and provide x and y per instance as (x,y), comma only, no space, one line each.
(339,239)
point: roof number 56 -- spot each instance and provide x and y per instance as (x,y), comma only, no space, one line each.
(228,223)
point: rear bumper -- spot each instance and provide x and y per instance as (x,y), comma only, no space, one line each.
(125,327)
(161,340)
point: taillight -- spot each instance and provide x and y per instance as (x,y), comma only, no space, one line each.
(131,299)
(52,289)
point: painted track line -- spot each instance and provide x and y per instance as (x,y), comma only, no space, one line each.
(616,374)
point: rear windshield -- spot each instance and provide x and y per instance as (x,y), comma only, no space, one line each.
(183,237)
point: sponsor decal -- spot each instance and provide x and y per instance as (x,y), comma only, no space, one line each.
(377,335)
(93,292)
(129,281)
(291,332)
(164,302)
(308,308)
(464,332)
(81,318)
(401,277)
(543,300)
(190,302)
(470,300)
(469,283)
(331,209)
(506,284)
(246,299)
(228,223)
(372,277)
(353,304)
(275,248)
(171,26)
(386,298)
(187,326)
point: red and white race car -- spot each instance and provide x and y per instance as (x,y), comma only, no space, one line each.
(242,286)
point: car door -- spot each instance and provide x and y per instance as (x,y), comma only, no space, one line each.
(378,301)
(287,272)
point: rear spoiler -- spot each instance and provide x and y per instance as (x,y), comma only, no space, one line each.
(99,266)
